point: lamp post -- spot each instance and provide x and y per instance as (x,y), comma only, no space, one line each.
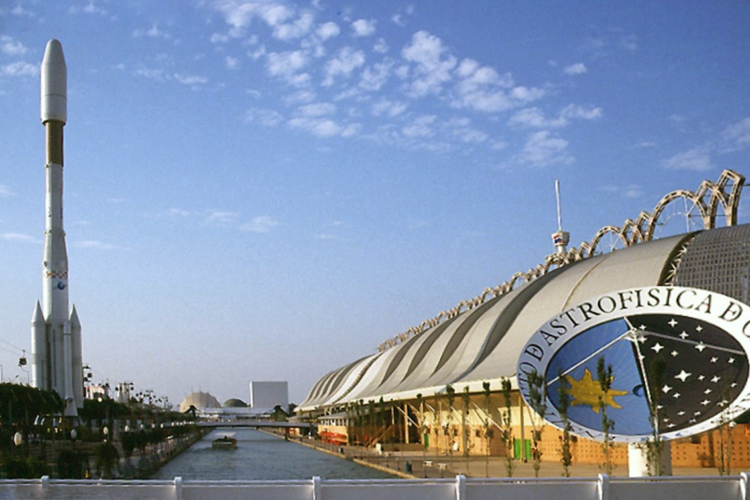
(17,440)
(73,436)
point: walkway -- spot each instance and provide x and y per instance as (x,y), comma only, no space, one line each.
(435,466)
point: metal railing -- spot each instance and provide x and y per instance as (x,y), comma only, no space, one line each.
(602,487)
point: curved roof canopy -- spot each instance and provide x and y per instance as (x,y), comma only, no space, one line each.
(484,343)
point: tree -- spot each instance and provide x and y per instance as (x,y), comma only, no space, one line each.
(507,431)
(605,377)
(487,428)
(655,446)
(537,401)
(106,460)
(451,396)
(563,403)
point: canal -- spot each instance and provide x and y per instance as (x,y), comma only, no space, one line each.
(260,456)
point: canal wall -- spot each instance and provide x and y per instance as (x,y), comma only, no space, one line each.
(348,453)
(157,456)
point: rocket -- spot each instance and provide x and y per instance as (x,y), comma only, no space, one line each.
(55,331)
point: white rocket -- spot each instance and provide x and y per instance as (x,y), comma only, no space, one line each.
(56,332)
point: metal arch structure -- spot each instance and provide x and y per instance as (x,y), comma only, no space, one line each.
(711,199)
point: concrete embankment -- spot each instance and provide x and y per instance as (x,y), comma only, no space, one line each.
(157,456)
(355,454)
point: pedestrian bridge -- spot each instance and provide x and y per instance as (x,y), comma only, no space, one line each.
(257,424)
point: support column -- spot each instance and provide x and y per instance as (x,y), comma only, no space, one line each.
(638,465)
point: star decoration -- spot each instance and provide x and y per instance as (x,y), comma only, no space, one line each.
(683,375)
(587,391)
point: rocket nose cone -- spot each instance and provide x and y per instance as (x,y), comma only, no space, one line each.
(53,53)
(54,84)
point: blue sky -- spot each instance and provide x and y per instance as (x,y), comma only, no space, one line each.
(267,190)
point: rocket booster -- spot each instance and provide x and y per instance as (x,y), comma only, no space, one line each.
(56,340)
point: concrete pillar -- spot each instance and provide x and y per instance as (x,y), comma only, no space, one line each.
(638,460)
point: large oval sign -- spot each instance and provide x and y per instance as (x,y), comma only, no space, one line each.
(678,353)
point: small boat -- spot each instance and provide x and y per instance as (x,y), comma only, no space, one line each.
(225,442)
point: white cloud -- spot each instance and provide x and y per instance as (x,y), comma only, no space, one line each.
(736,137)
(152,32)
(98,245)
(193,80)
(318,109)
(464,132)
(152,74)
(375,76)
(629,43)
(328,30)
(482,88)
(221,217)
(239,14)
(297,29)
(633,191)
(260,224)
(323,127)
(6,191)
(433,64)
(696,159)
(534,117)
(12,48)
(381,46)
(286,64)
(231,62)
(575,69)
(20,69)
(178,212)
(575,111)
(343,65)
(24,238)
(90,8)
(219,38)
(420,127)
(388,108)
(630,191)
(363,27)
(265,117)
(543,149)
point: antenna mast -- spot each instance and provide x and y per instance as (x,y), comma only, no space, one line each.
(560,238)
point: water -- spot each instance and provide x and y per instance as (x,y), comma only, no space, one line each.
(261,456)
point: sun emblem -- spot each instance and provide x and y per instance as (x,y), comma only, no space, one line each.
(587,391)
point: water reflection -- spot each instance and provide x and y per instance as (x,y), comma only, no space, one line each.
(261,456)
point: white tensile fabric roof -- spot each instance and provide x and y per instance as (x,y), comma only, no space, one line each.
(483,344)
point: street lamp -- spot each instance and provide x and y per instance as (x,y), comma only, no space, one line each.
(106,433)
(18,440)
(73,436)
